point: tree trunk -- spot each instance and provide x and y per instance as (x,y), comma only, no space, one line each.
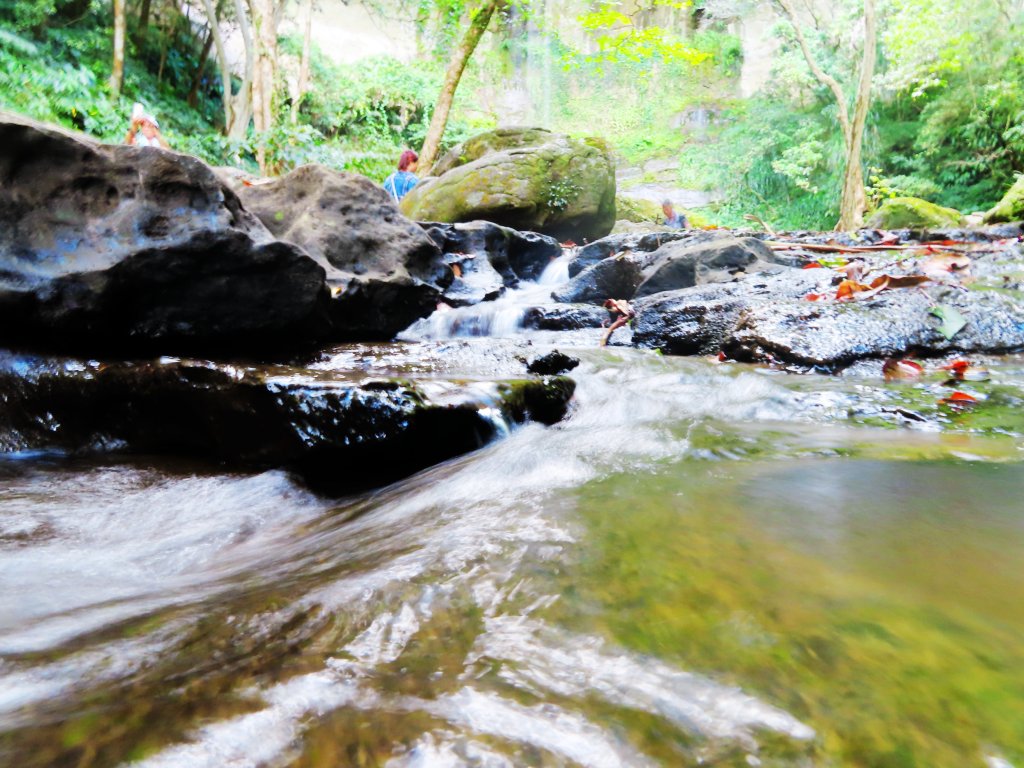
(854,200)
(456,64)
(264,19)
(140,35)
(193,92)
(222,61)
(120,27)
(307,31)
(241,105)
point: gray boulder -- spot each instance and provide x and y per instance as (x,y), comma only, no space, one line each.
(614,278)
(645,242)
(682,264)
(698,320)
(525,178)
(489,258)
(140,250)
(383,270)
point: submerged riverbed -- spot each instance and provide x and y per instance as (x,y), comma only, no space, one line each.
(704,564)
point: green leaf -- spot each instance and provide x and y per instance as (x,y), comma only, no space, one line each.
(952,321)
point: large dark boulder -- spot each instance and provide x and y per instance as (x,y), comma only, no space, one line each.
(384,272)
(682,264)
(645,242)
(698,320)
(525,178)
(339,430)
(613,278)
(489,258)
(107,248)
(564,317)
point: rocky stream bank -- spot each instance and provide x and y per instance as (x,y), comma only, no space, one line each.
(150,304)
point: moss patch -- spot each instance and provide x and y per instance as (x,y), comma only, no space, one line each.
(913,213)
(1011,207)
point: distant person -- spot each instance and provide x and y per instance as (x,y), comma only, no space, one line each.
(673,220)
(144,130)
(620,312)
(401,182)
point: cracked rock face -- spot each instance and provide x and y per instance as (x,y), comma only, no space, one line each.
(383,271)
(117,248)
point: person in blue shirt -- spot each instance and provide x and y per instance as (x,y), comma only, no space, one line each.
(673,220)
(399,183)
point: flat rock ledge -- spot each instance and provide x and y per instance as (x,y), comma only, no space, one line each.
(766,317)
(338,431)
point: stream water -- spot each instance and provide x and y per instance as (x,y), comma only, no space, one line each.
(703,565)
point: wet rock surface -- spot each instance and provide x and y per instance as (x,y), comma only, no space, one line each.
(489,258)
(616,277)
(552,363)
(831,335)
(590,254)
(645,265)
(339,430)
(697,320)
(383,271)
(138,249)
(682,264)
(793,316)
(564,317)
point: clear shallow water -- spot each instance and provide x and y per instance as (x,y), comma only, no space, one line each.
(704,565)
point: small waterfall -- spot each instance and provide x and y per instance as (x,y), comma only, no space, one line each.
(502,317)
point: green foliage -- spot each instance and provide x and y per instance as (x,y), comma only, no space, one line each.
(561,192)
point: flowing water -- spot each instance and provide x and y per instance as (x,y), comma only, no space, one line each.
(703,565)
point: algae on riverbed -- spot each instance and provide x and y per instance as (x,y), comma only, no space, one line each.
(874,600)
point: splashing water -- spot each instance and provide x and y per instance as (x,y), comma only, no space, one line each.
(686,571)
(500,318)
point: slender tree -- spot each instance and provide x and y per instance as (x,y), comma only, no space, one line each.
(853,199)
(237,107)
(303,84)
(460,56)
(266,15)
(120,27)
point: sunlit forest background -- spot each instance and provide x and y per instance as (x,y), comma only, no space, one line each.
(714,96)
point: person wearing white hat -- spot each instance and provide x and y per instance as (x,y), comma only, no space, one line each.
(145,130)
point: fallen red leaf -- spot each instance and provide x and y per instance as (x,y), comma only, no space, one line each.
(907,281)
(957,366)
(813,265)
(959,400)
(848,288)
(814,296)
(893,369)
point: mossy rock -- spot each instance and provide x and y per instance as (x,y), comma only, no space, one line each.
(492,141)
(913,213)
(637,210)
(1011,207)
(527,179)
